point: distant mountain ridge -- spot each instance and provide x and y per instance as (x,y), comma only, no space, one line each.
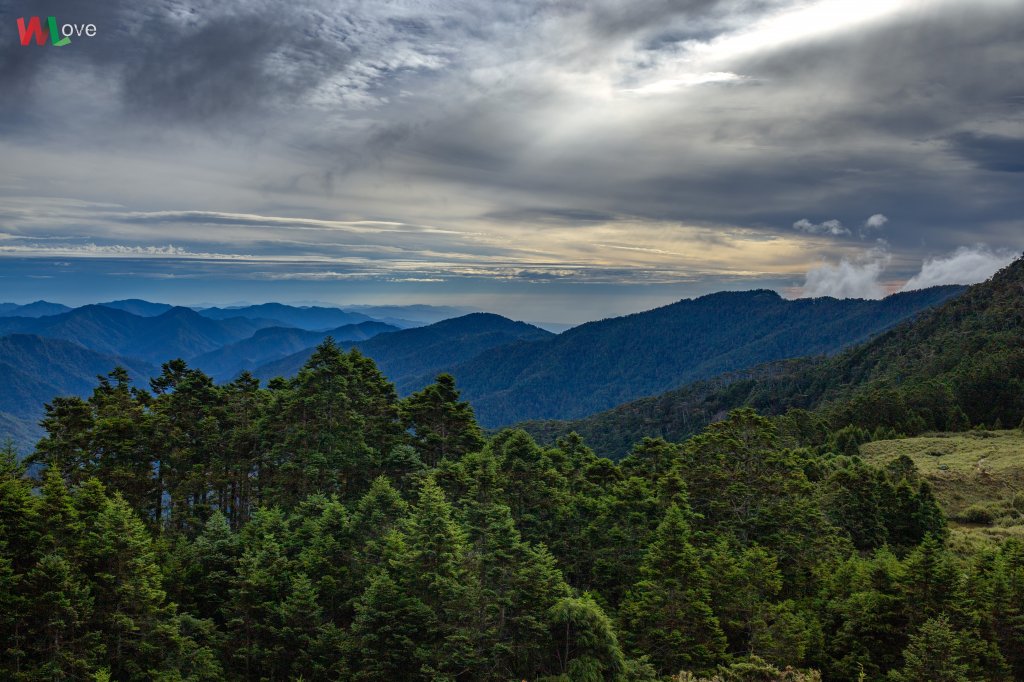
(411,358)
(303,317)
(178,332)
(34,370)
(601,364)
(962,360)
(274,343)
(36,309)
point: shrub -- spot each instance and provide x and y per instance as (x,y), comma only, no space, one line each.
(976,513)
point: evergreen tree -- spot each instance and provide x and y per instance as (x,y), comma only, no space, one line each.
(442,425)
(584,646)
(668,615)
(935,654)
(434,568)
(129,603)
(388,631)
(262,584)
(316,431)
(519,584)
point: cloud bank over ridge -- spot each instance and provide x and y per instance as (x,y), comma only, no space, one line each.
(557,149)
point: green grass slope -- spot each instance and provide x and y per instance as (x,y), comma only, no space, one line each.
(977,476)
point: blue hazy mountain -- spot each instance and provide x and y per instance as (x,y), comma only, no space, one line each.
(137,306)
(33,370)
(601,364)
(36,309)
(178,332)
(274,343)
(413,357)
(304,317)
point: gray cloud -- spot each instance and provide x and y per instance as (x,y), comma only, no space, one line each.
(832,227)
(575,137)
(999,153)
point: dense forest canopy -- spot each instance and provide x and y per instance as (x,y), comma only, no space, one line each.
(321,528)
(953,367)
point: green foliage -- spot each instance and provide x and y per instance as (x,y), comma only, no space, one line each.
(935,654)
(958,365)
(321,529)
(443,426)
(668,615)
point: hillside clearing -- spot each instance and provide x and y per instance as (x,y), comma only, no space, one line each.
(978,477)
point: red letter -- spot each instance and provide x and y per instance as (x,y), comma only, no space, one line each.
(35,29)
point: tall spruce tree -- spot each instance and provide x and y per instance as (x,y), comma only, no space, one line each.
(667,615)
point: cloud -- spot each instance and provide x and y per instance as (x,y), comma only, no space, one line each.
(875,222)
(857,278)
(966,265)
(833,227)
(999,153)
(516,129)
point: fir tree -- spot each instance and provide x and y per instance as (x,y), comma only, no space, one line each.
(668,615)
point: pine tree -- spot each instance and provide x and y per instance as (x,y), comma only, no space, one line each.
(261,586)
(519,584)
(316,431)
(1007,603)
(58,641)
(668,615)
(377,514)
(935,654)
(304,633)
(388,633)
(129,607)
(584,645)
(930,581)
(329,556)
(434,568)
(209,571)
(443,426)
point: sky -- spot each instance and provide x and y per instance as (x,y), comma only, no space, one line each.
(553,161)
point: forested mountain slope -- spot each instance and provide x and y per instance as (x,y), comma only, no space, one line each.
(274,343)
(322,529)
(411,358)
(34,370)
(601,364)
(957,365)
(178,332)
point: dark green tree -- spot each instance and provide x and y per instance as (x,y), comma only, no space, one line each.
(442,425)
(668,615)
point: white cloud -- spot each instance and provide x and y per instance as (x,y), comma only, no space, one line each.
(876,222)
(966,265)
(833,227)
(848,278)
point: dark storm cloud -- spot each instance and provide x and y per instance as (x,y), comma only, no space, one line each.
(652,139)
(187,62)
(991,152)
(559,216)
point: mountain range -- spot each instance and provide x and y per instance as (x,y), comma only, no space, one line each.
(601,364)
(510,371)
(274,343)
(34,370)
(178,332)
(960,363)
(412,358)
(36,309)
